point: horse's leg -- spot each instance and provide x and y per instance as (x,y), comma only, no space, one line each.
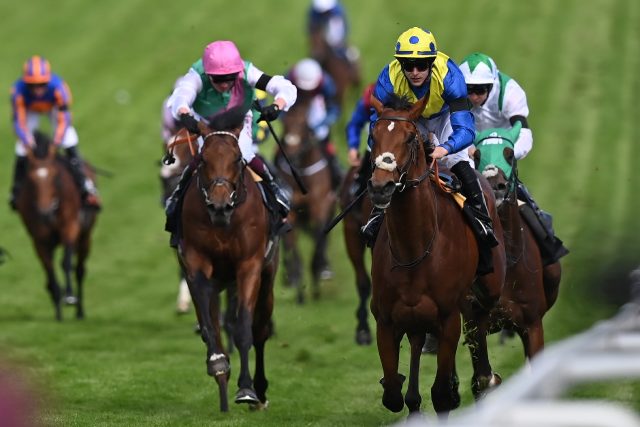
(355,250)
(551,275)
(45,253)
(262,330)
(66,264)
(230,317)
(84,245)
(533,339)
(292,263)
(248,282)
(412,398)
(389,351)
(444,391)
(319,262)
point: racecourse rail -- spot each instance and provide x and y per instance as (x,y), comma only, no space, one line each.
(535,396)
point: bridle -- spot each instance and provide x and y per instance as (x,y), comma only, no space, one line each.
(237,188)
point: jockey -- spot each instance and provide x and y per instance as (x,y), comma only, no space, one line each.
(359,118)
(329,17)
(324,111)
(221,80)
(498,101)
(37,93)
(419,70)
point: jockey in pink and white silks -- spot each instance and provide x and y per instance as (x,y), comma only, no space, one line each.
(218,81)
(420,69)
(499,102)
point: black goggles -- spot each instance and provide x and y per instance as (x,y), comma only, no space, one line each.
(478,89)
(223,78)
(419,64)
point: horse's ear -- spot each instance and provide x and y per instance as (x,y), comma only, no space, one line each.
(476,157)
(509,156)
(376,104)
(418,107)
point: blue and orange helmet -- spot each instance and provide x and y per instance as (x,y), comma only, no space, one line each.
(36,70)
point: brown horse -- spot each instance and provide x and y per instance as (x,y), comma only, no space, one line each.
(344,73)
(424,262)
(356,249)
(225,244)
(311,211)
(51,210)
(530,288)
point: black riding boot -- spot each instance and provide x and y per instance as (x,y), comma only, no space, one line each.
(475,209)
(19,173)
(541,223)
(171,205)
(370,229)
(88,191)
(282,198)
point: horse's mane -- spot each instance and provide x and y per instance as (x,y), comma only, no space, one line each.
(397,102)
(43,141)
(230,119)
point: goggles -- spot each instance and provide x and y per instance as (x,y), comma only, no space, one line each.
(421,64)
(479,89)
(222,78)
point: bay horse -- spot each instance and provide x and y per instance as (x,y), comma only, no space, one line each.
(344,73)
(423,263)
(311,211)
(225,244)
(51,209)
(356,250)
(531,288)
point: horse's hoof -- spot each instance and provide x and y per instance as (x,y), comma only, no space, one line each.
(393,401)
(70,300)
(495,380)
(259,406)
(247,395)
(326,274)
(363,337)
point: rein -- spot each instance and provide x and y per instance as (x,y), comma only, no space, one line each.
(183,136)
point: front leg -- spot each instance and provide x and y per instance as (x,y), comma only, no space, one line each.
(389,351)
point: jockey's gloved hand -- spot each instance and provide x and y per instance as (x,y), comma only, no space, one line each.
(270,113)
(189,122)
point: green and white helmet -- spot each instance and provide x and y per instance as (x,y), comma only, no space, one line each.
(479,69)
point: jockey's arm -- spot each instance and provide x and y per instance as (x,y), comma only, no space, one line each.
(20,119)
(283,91)
(185,92)
(62,104)
(516,109)
(455,95)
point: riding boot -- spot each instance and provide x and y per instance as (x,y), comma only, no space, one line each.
(541,223)
(282,198)
(88,190)
(475,209)
(171,205)
(370,230)
(329,152)
(19,173)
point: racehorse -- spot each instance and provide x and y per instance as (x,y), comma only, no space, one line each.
(225,244)
(311,211)
(530,288)
(423,263)
(356,247)
(345,73)
(52,211)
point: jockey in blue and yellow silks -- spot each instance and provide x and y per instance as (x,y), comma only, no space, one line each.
(39,92)
(419,70)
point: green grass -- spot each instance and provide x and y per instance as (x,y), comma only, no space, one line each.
(133,362)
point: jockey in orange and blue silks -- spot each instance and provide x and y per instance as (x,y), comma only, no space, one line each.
(39,92)
(420,69)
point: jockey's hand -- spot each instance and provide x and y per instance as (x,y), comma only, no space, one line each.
(439,152)
(354,157)
(472,150)
(270,113)
(189,122)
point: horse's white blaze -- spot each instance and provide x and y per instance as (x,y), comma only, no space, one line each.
(292,140)
(391,126)
(490,171)
(386,161)
(42,173)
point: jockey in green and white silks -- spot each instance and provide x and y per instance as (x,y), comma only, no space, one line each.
(420,69)
(497,100)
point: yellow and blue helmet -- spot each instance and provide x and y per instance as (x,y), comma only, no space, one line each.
(416,43)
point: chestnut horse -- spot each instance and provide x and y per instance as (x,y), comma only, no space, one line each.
(225,244)
(530,288)
(52,211)
(423,264)
(311,211)
(356,249)
(344,73)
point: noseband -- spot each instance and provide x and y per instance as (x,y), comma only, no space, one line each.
(205,185)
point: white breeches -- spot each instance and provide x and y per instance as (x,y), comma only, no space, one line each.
(70,138)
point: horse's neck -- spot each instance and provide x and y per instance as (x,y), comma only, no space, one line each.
(509,213)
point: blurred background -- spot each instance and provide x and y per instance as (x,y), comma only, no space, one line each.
(134,362)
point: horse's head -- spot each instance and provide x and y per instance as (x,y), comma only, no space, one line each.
(220,173)
(397,145)
(494,158)
(43,176)
(297,134)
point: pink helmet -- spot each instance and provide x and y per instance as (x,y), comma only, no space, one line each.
(222,57)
